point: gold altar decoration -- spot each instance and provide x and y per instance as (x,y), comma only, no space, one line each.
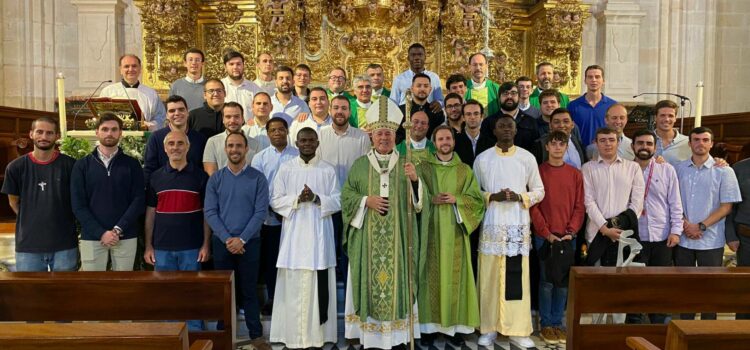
(354,33)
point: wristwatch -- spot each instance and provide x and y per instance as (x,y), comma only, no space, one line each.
(702,226)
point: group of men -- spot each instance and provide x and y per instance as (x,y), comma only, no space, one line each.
(306,185)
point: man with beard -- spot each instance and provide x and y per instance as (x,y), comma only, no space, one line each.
(306,194)
(38,189)
(283,101)
(191,86)
(264,67)
(616,118)
(177,237)
(267,161)
(526,127)
(421,146)
(589,110)
(524,92)
(320,117)
(239,89)
(574,154)
(340,145)
(375,72)
(708,193)
(479,87)
(456,84)
(471,142)
(235,206)
(131,88)
(660,224)
(453,113)
(509,179)
(454,207)
(374,209)
(556,219)
(545,72)
(302,77)
(107,194)
(177,120)
(337,84)
(417,57)
(420,90)
(262,114)
(363,101)
(207,120)
(214,156)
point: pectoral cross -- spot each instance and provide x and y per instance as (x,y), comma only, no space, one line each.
(42,184)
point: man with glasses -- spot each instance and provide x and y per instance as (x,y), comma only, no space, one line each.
(363,101)
(526,127)
(454,115)
(479,87)
(207,120)
(191,87)
(302,77)
(337,84)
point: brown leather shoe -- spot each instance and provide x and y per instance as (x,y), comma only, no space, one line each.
(549,335)
(561,335)
(260,343)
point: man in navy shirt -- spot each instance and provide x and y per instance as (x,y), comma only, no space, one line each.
(38,189)
(236,205)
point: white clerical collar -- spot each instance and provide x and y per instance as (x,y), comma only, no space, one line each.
(194,81)
(478,86)
(364,105)
(419,144)
(377,92)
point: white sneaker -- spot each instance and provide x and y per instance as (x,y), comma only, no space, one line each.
(524,342)
(487,339)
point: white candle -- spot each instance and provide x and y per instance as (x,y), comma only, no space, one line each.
(699,105)
(61,104)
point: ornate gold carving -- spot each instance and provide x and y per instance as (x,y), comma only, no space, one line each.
(354,33)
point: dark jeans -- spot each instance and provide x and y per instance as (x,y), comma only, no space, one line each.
(743,259)
(652,254)
(691,257)
(342,260)
(270,237)
(245,267)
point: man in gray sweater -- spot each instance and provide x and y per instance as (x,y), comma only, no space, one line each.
(191,86)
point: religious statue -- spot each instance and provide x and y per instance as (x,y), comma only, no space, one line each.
(276,8)
(471,13)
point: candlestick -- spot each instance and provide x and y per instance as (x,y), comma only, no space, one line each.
(699,105)
(61,104)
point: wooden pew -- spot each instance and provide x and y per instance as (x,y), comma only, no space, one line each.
(115,296)
(700,335)
(96,336)
(648,290)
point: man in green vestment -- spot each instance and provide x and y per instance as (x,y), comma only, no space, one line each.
(375,72)
(453,209)
(481,88)
(545,71)
(374,209)
(421,146)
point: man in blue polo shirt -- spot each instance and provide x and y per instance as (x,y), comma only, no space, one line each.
(588,111)
(236,205)
(177,237)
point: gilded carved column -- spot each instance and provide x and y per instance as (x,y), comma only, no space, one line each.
(100,39)
(618,47)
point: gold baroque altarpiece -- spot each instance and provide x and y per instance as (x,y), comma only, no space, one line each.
(354,33)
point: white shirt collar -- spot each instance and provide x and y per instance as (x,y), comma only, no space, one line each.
(478,86)
(364,105)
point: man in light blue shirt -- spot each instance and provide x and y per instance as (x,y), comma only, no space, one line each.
(670,144)
(283,100)
(267,162)
(403,81)
(708,193)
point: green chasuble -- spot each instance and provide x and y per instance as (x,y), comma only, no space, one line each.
(357,117)
(418,155)
(534,98)
(378,250)
(492,105)
(447,292)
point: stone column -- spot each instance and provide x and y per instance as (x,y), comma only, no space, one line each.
(618,43)
(100,42)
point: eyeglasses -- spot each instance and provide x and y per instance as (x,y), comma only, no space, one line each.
(340,78)
(453,106)
(510,93)
(215,91)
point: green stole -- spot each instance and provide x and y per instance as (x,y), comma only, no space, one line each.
(493,105)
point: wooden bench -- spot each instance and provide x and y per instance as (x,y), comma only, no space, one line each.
(116,296)
(96,336)
(648,290)
(700,335)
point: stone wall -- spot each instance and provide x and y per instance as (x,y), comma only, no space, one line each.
(644,46)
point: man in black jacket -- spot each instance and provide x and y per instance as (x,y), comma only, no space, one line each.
(471,142)
(421,86)
(527,131)
(560,120)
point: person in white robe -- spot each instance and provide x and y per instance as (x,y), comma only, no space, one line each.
(306,194)
(153,113)
(509,178)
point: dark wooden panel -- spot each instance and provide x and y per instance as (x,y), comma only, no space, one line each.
(612,337)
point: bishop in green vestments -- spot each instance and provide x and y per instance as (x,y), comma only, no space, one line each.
(374,209)
(453,209)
